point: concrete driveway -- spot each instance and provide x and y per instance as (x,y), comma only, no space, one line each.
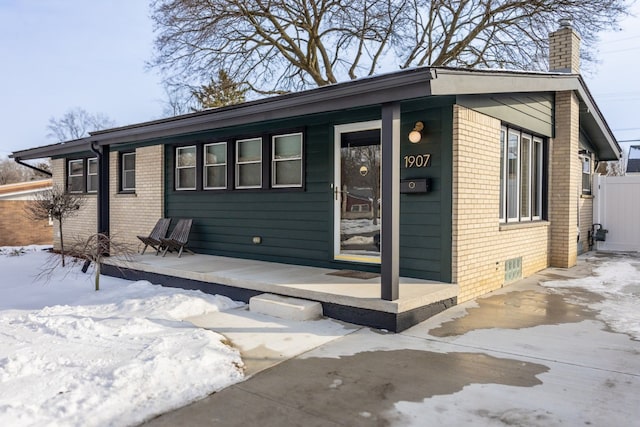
(527,355)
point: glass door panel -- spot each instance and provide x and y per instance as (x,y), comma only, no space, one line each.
(357,192)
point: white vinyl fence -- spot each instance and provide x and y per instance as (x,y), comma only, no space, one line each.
(617,208)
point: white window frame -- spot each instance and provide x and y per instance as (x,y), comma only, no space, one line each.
(274,161)
(585,159)
(503,175)
(70,175)
(535,172)
(525,140)
(510,203)
(247,162)
(214,165)
(89,174)
(178,167)
(538,166)
(123,171)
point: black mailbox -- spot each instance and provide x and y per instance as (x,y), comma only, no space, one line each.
(408,186)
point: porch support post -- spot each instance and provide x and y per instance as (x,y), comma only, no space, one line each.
(390,238)
(102,154)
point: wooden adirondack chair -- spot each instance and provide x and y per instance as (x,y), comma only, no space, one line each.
(178,239)
(153,239)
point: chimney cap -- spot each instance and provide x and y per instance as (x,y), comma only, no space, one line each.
(565,22)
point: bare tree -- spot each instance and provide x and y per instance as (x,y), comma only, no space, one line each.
(76,123)
(55,203)
(98,246)
(179,99)
(12,172)
(282,45)
(93,249)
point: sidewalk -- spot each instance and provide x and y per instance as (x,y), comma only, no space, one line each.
(524,355)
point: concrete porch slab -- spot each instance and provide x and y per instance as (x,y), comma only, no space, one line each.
(353,300)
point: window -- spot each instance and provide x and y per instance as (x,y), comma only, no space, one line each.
(503,136)
(266,161)
(521,172)
(92,175)
(287,161)
(186,168)
(536,181)
(82,175)
(360,208)
(128,172)
(75,178)
(586,174)
(249,163)
(513,175)
(215,166)
(525,177)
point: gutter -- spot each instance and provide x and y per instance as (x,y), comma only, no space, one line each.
(42,171)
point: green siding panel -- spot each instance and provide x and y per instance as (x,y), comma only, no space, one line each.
(297,226)
(530,111)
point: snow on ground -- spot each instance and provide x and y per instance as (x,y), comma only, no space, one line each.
(618,281)
(592,371)
(358,226)
(358,240)
(76,357)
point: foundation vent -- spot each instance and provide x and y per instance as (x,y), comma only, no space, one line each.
(512,269)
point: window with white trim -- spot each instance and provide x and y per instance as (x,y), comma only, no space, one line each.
(249,163)
(286,158)
(215,166)
(75,176)
(128,172)
(92,175)
(586,174)
(186,168)
(521,174)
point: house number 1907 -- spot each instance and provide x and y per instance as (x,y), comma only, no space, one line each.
(417,161)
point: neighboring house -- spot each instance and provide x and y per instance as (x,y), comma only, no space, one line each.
(16,228)
(633,163)
(485,176)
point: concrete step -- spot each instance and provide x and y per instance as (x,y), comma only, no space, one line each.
(285,307)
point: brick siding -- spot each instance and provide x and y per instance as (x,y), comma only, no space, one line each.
(134,214)
(565,177)
(480,244)
(17,229)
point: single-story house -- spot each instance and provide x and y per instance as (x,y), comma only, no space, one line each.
(16,227)
(483,176)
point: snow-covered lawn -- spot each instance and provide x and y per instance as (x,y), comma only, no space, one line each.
(72,356)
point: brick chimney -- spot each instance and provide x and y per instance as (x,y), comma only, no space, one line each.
(564,162)
(564,49)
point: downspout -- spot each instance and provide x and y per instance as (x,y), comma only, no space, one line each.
(103,188)
(37,169)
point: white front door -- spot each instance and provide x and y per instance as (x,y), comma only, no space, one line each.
(357,191)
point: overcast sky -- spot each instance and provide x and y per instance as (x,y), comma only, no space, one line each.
(60,54)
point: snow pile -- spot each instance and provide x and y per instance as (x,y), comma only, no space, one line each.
(73,356)
(358,226)
(618,281)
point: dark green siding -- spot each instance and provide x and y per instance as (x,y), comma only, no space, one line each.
(296,226)
(529,111)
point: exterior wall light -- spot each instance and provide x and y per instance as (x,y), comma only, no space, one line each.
(415,135)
